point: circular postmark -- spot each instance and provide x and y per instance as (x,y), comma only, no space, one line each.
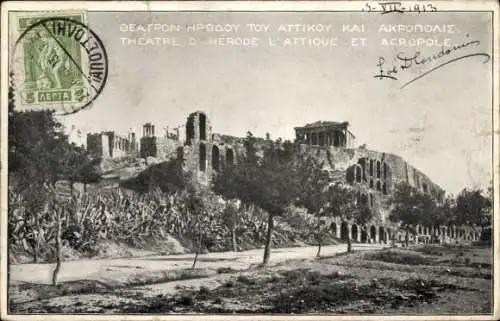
(58,63)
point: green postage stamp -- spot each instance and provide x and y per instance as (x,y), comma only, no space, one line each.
(58,63)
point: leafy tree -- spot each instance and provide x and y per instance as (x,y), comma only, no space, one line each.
(199,218)
(342,203)
(410,207)
(312,194)
(443,214)
(473,208)
(39,150)
(39,154)
(272,182)
(230,220)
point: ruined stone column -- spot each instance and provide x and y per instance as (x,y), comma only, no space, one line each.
(349,232)
(377,234)
(337,229)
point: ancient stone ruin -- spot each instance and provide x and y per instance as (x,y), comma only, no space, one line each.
(373,174)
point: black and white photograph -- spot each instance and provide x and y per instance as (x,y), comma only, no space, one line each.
(253,160)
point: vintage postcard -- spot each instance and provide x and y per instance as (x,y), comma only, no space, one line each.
(249,160)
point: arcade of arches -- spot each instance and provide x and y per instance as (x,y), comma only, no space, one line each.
(372,233)
(226,158)
(372,176)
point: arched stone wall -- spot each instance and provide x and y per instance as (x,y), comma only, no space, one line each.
(215,158)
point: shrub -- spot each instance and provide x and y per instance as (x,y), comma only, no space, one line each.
(399,257)
(225,269)
(245,279)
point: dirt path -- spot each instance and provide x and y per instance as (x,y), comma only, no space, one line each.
(120,270)
(111,285)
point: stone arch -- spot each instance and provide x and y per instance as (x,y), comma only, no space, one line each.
(229,156)
(371,182)
(419,229)
(378,169)
(384,188)
(350,175)
(354,232)
(358,174)
(364,235)
(362,163)
(333,227)
(372,203)
(378,186)
(364,199)
(202,120)
(203,157)
(215,158)
(344,230)
(373,232)
(382,236)
(384,170)
(371,167)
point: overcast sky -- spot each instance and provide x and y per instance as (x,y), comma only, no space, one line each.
(441,123)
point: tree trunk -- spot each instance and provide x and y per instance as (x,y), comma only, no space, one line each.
(36,246)
(233,239)
(349,244)
(267,248)
(195,258)
(319,249)
(406,236)
(58,247)
(318,237)
(198,249)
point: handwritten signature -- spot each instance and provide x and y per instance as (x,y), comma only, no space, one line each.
(405,62)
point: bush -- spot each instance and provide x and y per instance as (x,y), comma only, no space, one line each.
(225,269)
(399,257)
(245,279)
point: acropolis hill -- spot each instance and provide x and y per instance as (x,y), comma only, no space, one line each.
(373,174)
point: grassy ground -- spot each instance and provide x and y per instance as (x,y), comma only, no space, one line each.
(423,280)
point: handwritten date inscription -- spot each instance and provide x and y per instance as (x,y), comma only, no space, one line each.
(398,7)
(404,62)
